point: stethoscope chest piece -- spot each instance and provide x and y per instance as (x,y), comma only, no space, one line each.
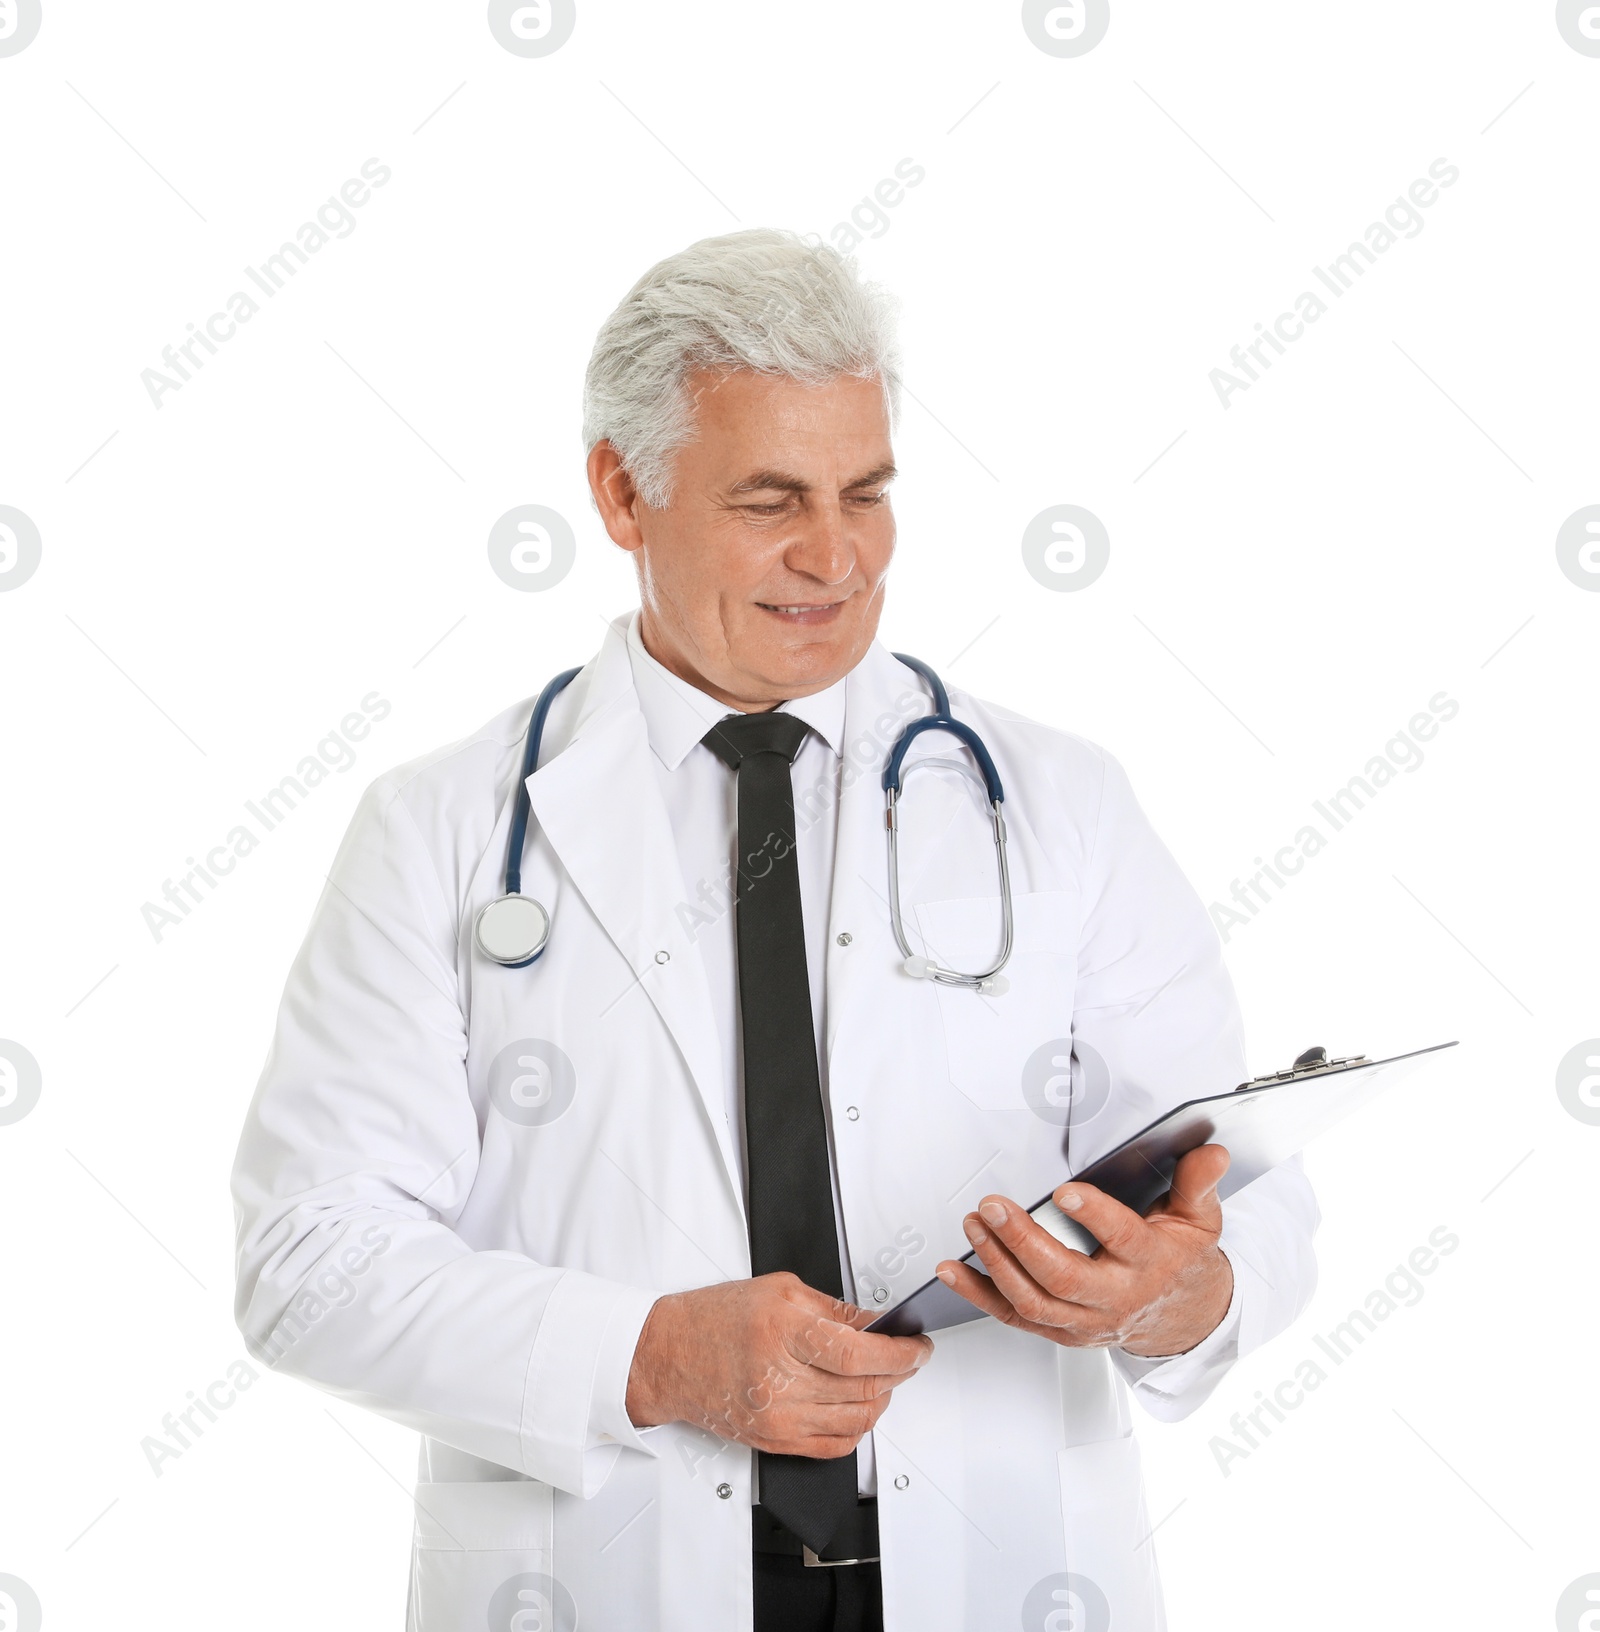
(512,930)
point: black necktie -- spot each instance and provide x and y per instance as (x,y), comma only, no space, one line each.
(786,1139)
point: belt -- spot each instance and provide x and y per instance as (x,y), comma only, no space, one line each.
(855,1542)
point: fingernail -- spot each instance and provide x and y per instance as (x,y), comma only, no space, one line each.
(994,1211)
(1069,1201)
(976,1233)
(948,1276)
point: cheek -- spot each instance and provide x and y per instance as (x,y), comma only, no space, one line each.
(697,567)
(875,543)
(742,561)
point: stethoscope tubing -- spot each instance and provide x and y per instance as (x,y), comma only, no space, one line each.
(523,804)
(940,719)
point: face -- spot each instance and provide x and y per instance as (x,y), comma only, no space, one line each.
(763,579)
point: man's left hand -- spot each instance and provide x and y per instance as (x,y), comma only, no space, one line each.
(1157,1285)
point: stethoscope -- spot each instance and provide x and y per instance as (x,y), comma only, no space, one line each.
(514,929)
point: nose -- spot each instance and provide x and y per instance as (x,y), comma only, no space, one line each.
(822,551)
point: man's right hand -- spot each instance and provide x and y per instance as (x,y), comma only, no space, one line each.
(769,1363)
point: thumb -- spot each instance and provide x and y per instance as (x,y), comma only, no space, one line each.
(1193,1197)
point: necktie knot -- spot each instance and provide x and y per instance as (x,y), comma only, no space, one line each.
(735,737)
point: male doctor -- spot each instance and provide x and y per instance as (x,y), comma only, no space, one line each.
(608,1229)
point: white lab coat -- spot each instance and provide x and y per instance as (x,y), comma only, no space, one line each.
(460,1187)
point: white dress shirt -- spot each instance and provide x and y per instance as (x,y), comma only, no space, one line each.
(701,795)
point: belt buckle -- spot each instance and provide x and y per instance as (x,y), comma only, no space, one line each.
(812,1562)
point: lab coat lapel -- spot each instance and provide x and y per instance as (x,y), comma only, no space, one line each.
(598,804)
(882,697)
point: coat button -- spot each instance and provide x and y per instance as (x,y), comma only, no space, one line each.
(902,1481)
(844,937)
(880,1294)
(852,1113)
(724,1491)
(663,957)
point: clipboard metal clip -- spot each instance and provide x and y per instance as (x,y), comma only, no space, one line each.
(1310,1064)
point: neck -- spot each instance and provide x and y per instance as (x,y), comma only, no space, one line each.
(675,662)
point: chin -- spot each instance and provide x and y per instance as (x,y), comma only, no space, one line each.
(814,664)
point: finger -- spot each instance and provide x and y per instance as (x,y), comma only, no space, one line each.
(822,1447)
(824,1320)
(832,1318)
(983,1294)
(1060,1270)
(824,1431)
(817,1303)
(1193,1197)
(850,1418)
(812,1386)
(1118,1229)
(1020,1289)
(979,1291)
(860,1319)
(856,1316)
(834,1388)
(841,1349)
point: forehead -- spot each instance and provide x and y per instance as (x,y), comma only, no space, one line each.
(742,417)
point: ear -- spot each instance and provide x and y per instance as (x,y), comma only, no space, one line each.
(615,496)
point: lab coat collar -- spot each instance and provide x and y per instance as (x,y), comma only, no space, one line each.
(677,714)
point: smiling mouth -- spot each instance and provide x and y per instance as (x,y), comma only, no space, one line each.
(807,613)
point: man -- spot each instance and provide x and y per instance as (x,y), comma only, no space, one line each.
(608,1228)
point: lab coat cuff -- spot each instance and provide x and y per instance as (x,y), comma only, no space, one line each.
(574,1413)
(1169,1378)
(609,1422)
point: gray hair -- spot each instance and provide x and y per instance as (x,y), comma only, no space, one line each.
(763,300)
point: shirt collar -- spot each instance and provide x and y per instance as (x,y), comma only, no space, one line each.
(677,715)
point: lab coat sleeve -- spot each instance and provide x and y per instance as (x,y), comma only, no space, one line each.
(1156,1020)
(358,1156)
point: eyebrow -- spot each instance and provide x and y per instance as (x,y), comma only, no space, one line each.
(781,481)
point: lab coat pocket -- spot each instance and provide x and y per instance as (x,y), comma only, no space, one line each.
(1111,1579)
(483,1557)
(1008,1051)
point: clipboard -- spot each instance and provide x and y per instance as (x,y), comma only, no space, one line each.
(1262,1122)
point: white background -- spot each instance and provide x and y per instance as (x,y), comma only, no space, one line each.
(304,522)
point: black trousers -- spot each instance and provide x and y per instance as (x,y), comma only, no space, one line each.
(792,1598)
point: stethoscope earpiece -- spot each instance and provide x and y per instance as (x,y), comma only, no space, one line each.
(926,969)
